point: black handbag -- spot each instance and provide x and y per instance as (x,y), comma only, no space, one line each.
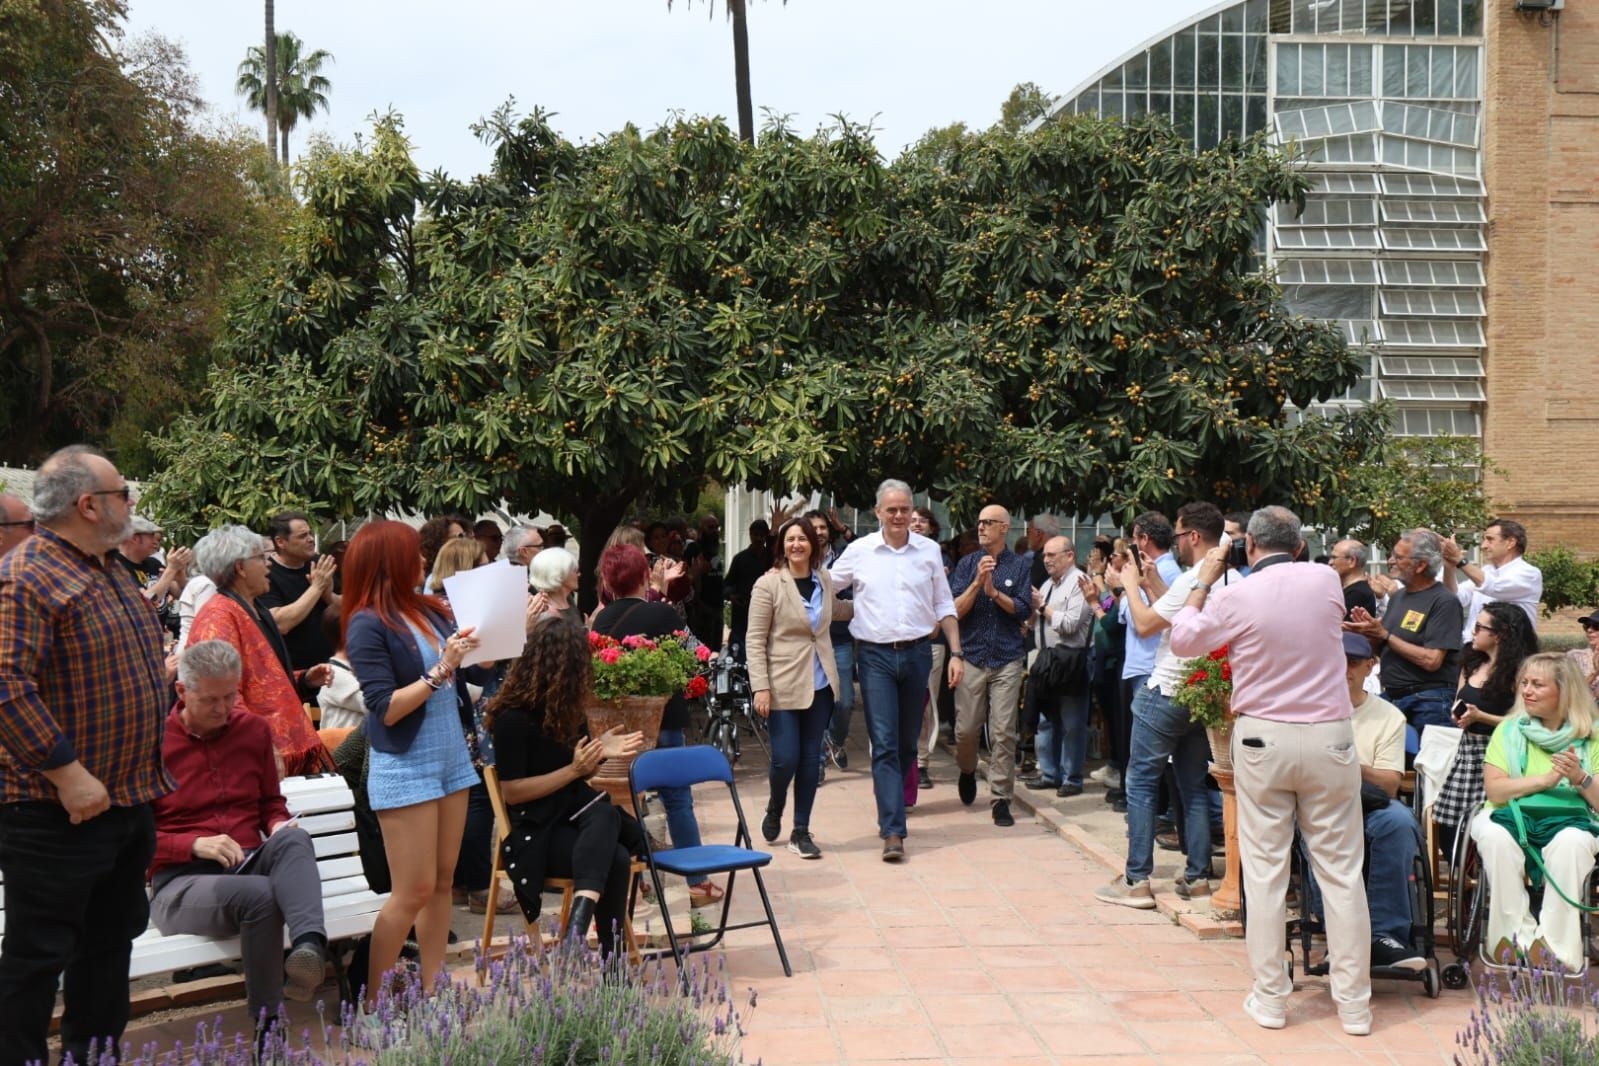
(1056,671)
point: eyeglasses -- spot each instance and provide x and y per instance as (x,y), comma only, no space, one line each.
(1480,628)
(126,492)
(991,522)
(25,523)
(1183,532)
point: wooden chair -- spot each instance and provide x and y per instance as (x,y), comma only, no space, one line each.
(564,885)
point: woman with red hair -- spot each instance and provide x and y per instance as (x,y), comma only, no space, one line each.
(405,652)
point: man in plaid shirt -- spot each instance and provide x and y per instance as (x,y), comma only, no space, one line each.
(82,703)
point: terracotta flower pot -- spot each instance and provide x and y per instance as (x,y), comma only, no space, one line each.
(634,714)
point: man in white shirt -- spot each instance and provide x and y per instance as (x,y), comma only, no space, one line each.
(901,596)
(1505,576)
(1061,617)
(1163,730)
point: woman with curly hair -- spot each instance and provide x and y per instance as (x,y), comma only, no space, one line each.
(560,827)
(1501,640)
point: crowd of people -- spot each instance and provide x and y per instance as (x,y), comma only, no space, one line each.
(151,705)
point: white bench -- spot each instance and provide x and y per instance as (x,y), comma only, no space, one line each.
(327,811)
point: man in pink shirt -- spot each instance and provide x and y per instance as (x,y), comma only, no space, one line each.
(1294,756)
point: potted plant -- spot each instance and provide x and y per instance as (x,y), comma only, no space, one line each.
(1206,690)
(633,679)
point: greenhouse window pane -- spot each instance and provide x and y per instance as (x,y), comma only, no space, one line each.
(1232,62)
(1456,211)
(1330,301)
(1327,272)
(1427,333)
(1329,213)
(1209,60)
(1466,73)
(1407,239)
(1255,64)
(1361,148)
(1429,185)
(1448,18)
(1430,124)
(1344,184)
(1426,16)
(1232,20)
(1393,70)
(1451,391)
(1360,70)
(1232,116)
(1183,60)
(1430,366)
(1360,331)
(1451,303)
(1255,16)
(1327,239)
(1313,70)
(1424,155)
(1337,83)
(1432,273)
(1160,65)
(1470,18)
(1435,422)
(1254,115)
(1288,69)
(1136,72)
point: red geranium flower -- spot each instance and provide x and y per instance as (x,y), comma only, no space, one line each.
(1197,676)
(697,687)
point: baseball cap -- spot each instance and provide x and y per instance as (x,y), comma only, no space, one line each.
(1590,620)
(142,524)
(1357,646)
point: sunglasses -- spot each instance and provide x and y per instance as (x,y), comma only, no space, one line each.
(1480,628)
(1589,626)
(126,492)
(25,523)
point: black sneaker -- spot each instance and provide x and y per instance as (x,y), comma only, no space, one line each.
(801,844)
(1041,784)
(1391,954)
(924,777)
(840,758)
(1068,790)
(967,785)
(771,825)
(1002,816)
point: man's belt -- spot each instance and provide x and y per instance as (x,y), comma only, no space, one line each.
(897,645)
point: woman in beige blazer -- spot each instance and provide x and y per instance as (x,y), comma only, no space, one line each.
(793,674)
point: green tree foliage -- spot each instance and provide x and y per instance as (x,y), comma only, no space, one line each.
(1025,103)
(1418,482)
(1567,580)
(119,223)
(302,88)
(1063,318)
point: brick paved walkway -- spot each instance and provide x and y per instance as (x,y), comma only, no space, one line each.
(986,944)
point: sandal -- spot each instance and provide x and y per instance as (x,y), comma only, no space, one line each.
(704,894)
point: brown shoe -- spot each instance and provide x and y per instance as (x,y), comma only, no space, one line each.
(478,902)
(893,848)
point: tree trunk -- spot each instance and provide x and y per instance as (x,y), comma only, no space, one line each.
(285,153)
(271,57)
(596,520)
(741,71)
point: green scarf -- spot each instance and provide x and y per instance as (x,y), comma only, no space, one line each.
(1525,729)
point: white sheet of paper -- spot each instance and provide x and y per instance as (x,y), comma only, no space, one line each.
(494,599)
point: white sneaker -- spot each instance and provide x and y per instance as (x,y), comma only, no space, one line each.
(1357,1024)
(1103,772)
(1262,1017)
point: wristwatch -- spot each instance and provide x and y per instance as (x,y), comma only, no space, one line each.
(1586,781)
(958,655)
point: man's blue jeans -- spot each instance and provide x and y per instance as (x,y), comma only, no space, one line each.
(1430,706)
(844,705)
(893,691)
(679,803)
(1161,729)
(1393,840)
(1063,744)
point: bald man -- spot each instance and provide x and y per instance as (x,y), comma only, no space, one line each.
(16,522)
(993,592)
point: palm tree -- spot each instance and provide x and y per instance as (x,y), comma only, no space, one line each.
(270,105)
(301,88)
(741,64)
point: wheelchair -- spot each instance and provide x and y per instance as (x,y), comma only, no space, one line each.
(1304,924)
(1466,911)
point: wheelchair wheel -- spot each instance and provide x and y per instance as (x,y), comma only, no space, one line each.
(1455,976)
(1467,904)
(1432,981)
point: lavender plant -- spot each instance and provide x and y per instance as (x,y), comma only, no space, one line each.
(1530,1017)
(556,1006)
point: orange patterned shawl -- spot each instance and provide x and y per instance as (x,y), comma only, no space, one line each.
(264,689)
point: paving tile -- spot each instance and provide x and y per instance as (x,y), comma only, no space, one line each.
(904,1042)
(1086,1039)
(987,1041)
(969,1010)
(797,1046)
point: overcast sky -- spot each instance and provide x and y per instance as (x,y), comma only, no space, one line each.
(905,65)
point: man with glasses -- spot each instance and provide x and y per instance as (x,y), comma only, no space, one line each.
(16,522)
(1349,563)
(1419,637)
(993,592)
(1162,730)
(83,700)
(1062,619)
(901,594)
(301,586)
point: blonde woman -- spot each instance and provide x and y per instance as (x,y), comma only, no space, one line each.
(1544,748)
(455,555)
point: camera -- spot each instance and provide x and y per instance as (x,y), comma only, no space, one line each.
(1237,555)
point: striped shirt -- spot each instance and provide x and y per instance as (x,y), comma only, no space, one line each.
(81,674)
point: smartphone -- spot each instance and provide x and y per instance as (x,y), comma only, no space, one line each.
(1138,557)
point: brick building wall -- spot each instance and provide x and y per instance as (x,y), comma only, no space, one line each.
(1541,165)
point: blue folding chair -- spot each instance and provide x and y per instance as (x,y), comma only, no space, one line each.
(684,768)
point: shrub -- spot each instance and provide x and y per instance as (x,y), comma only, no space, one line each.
(1567,580)
(1530,1018)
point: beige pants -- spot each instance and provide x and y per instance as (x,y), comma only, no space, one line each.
(993,696)
(929,738)
(1568,858)
(1309,774)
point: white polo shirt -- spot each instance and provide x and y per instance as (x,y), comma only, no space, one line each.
(900,593)
(1517,582)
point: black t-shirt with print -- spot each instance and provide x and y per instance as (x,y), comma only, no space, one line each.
(1431,618)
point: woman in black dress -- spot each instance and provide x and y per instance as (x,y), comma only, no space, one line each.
(1502,637)
(560,827)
